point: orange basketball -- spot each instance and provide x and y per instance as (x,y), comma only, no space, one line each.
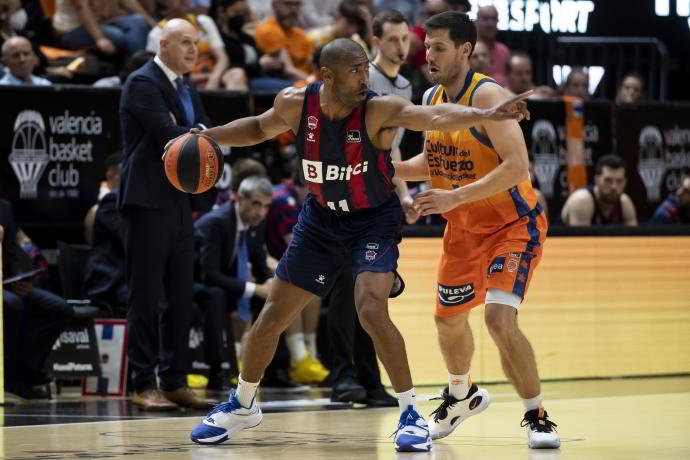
(193,163)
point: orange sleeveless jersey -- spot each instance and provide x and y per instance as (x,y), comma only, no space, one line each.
(461,157)
(492,243)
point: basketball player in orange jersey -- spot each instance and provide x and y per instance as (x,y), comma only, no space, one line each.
(495,232)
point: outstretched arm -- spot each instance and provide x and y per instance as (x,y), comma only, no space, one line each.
(397,111)
(254,130)
(508,141)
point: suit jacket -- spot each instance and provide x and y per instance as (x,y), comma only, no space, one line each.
(147,102)
(14,259)
(105,267)
(215,234)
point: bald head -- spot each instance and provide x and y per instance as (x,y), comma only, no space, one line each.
(15,43)
(177,45)
(487,21)
(341,52)
(175,27)
(345,70)
(19,57)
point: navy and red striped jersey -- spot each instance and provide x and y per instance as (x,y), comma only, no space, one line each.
(281,217)
(341,167)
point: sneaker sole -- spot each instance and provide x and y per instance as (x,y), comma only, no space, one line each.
(414,449)
(486,400)
(227,435)
(544,444)
(421,447)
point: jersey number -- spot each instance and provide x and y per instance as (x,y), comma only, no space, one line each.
(341,203)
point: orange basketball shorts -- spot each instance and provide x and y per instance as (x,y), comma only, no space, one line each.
(471,263)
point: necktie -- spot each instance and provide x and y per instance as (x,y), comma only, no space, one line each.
(186,100)
(242,258)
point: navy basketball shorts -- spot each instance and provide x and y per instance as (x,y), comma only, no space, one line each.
(322,239)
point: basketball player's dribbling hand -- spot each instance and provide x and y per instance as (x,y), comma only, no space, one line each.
(514,108)
(435,201)
(172,141)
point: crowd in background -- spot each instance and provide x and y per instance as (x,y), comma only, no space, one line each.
(261,47)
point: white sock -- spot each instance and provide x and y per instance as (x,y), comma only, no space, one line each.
(310,341)
(406,399)
(295,343)
(459,385)
(238,350)
(532,403)
(245,392)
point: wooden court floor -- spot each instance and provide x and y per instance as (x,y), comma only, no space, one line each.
(612,419)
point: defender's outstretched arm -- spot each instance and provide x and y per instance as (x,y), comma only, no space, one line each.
(397,111)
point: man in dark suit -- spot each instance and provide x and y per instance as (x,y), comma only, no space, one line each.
(104,274)
(229,239)
(33,318)
(157,105)
(224,233)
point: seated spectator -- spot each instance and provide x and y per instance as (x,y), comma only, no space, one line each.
(212,60)
(631,88)
(13,23)
(229,238)
(487,19)
(113,167)
(84,23)
(352,21)
(20,60)
(240,170)
(104,274)
(676,208)
(605,203)
(480,61)
(249,68)
(519,77)
(135,61)
(280,38)
(33,318)
(577,84)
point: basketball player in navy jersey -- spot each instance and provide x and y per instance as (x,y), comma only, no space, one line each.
(344,135)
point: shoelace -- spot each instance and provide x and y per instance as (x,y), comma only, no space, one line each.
(403,423)
(535,423)
(222,407)
(442,410)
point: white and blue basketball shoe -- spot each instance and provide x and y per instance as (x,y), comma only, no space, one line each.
(412,434)
(225,419)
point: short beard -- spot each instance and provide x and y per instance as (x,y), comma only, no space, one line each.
(610,198)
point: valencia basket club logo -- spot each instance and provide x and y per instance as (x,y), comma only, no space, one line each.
(29,156)
(545,152)
(651,165)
